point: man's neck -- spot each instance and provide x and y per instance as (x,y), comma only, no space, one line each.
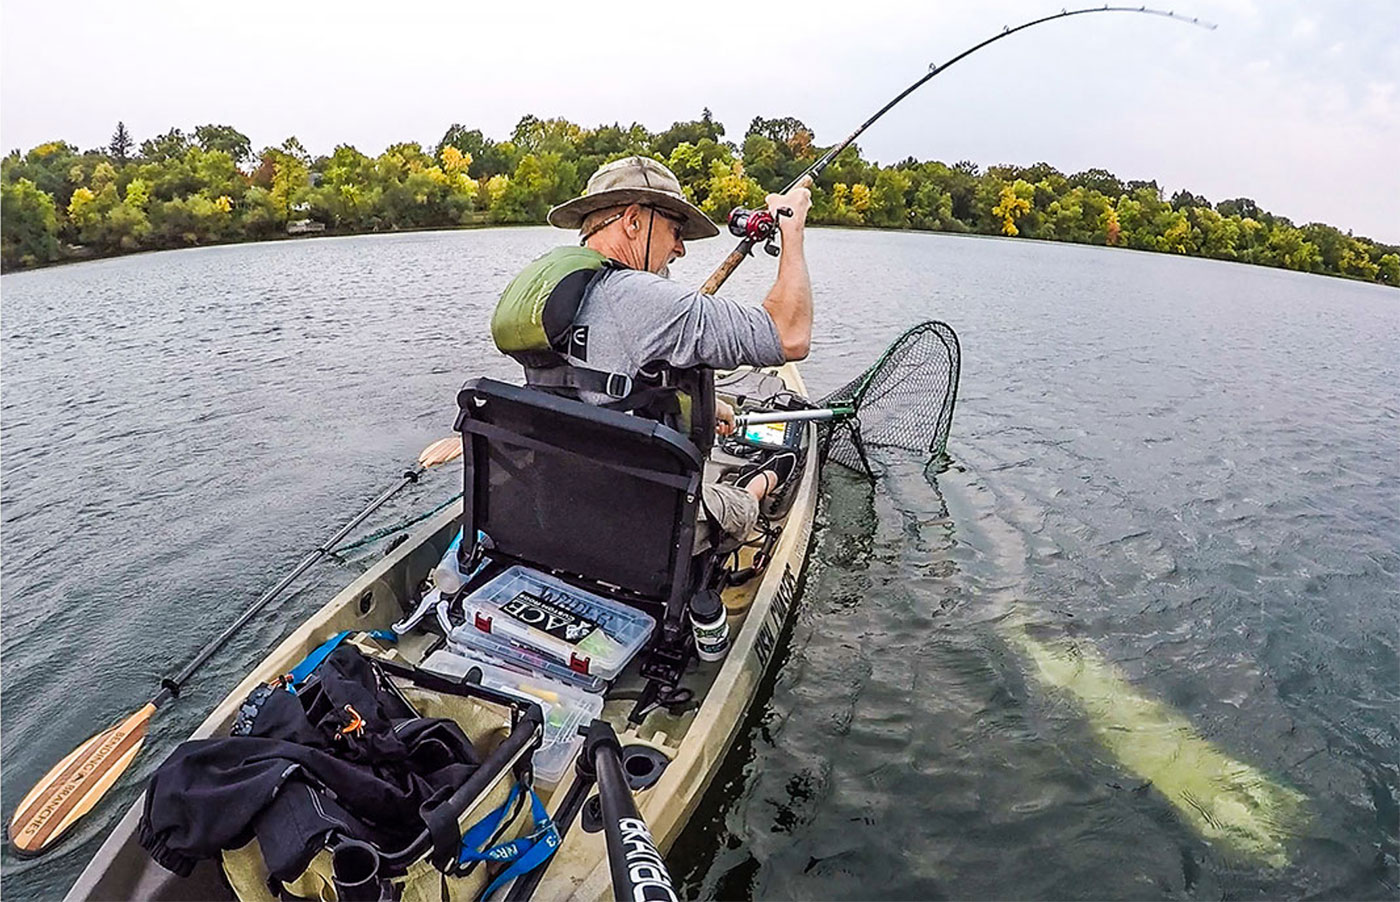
(609,246)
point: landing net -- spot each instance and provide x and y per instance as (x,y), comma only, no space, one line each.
(905,400)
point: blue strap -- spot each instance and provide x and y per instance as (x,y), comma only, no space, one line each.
(524,853)
(308,664)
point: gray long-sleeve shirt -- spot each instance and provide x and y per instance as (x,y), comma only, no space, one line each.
(630,318)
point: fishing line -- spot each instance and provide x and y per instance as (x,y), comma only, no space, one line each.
(754,236)
(934,70)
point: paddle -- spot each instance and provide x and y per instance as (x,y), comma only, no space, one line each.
(80,780)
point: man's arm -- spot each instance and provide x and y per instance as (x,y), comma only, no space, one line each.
(789,301)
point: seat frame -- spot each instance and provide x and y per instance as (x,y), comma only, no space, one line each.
(497,418)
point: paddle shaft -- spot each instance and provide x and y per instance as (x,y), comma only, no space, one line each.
(637,866)
(170,687)
(745,247)
(78,782)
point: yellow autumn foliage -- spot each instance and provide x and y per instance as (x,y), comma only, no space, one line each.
(1010,207)
(454,161)
(860,197)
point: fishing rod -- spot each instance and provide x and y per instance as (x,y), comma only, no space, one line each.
(78,782)
(759,226)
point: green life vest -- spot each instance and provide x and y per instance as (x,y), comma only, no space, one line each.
(533,317)
(533,322)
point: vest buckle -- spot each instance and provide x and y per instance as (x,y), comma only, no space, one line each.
(618,385)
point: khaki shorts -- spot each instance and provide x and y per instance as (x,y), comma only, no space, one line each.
(733,509)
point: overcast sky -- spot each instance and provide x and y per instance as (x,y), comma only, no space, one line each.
(1295,103)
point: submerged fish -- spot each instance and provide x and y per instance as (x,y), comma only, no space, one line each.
(1231,804)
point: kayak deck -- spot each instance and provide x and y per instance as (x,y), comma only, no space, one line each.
(694,741)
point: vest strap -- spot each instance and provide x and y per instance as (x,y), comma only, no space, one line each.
(576,378)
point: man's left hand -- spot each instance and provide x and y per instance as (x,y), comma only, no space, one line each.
(724,418)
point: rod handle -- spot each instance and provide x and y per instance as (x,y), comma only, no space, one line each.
(726,269)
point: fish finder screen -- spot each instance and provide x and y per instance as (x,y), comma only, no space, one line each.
(765,433)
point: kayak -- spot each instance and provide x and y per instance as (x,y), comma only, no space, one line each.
(690,741)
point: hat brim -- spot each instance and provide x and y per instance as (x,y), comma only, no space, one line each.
(570,215)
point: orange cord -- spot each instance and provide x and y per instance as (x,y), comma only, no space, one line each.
(356,725)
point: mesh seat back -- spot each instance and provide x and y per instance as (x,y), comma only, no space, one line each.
(564,486)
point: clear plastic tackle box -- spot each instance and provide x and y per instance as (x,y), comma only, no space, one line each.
(565,708)
(592,636)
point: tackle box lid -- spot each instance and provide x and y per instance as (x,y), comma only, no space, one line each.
(591,635)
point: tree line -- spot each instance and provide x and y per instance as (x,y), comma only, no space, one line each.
(209,186)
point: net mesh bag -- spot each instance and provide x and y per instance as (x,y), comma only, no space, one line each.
(905,400)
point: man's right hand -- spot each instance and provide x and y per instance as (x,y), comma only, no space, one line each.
(798,200)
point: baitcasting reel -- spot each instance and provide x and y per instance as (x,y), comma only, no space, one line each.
(756,226)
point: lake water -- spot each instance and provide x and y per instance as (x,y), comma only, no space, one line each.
(1139,640)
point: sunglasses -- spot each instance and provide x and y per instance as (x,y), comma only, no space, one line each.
(670,217)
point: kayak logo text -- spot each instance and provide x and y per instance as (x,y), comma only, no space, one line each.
(777,615)
(651,882)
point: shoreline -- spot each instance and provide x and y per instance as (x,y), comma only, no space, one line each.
(338,233)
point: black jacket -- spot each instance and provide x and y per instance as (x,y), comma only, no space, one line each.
(298,779)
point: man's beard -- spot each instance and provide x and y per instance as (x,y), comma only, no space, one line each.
(665,271)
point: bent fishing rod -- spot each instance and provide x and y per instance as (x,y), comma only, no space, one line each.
(759,226)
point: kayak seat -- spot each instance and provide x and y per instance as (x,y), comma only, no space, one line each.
(597,495)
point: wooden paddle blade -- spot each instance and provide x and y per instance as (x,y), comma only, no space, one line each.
(76,783)
(441,451)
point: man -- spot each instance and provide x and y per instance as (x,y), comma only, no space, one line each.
(629,324)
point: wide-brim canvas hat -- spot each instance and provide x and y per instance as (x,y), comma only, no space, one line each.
(634,180)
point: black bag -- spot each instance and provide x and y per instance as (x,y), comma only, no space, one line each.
(345,758)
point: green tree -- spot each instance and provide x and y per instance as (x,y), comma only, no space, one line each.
(291,177)
(29,225)
(694,165)
(1288,248)
(127,227)
(191,220)
(1219,235)
(729,187)
(88,210)
(260,214)
(1356,261)
(889,206)
(488,157)
(538,183)
(1184,199)
(538,136)
(762,161)
(225,139)
(1176,234)
(1388,269)
(1100,180)
(50,166)
(610,142)
(162,148)
(1242,207)
(121,144)
(692,132)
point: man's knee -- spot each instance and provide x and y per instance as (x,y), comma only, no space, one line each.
(733,511)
